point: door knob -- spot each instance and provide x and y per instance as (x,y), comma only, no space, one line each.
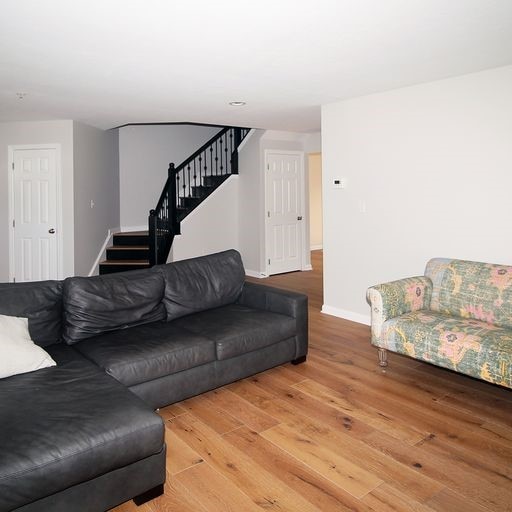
(299,218)
(51,231)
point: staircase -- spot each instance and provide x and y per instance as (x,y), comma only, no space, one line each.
(187,186)
(130,251)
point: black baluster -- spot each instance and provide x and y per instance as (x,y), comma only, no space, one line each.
(221,155)
(195,174)
(216,158)
(231,151)
(211,160)
(226,153)
(200,169)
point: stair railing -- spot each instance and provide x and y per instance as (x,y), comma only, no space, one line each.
(218,157)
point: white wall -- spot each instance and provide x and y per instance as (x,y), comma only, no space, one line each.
(96,178)
(144,156)
(315,200)
(433,165)
(251,205)
(38,132)
(312,142)
(212,226)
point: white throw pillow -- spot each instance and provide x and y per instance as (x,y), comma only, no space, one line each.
(18,353)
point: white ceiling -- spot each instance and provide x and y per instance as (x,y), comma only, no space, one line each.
(111,62)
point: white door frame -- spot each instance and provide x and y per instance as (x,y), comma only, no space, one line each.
(303,256)
(58,174)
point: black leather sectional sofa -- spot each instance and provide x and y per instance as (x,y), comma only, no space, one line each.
(83,435)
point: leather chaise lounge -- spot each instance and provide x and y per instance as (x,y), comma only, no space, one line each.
(83,435)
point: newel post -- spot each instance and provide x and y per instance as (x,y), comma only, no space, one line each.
(153,237)
(172,213)
(237,139)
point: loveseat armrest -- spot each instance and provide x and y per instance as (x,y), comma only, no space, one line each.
(277,300)
(389,300)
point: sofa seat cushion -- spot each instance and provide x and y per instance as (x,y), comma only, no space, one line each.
(98,304)
(147,352)
(238,329)
(80,424)
(465,345)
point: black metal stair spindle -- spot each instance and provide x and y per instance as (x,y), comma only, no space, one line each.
(211,160)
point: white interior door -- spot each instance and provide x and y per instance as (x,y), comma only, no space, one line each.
(284,222)
(34,254)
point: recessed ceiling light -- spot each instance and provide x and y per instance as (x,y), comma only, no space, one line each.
(21,95)
(237,103)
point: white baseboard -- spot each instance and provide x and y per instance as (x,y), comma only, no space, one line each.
(347,315)
(95,267)
(253,273)
(307,267)
(316,247)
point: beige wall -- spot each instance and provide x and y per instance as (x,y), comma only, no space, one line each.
(315,200)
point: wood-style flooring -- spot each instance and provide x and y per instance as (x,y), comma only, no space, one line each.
(337,433)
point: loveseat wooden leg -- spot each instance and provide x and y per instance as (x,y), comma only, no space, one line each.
(149,495)
(383,357)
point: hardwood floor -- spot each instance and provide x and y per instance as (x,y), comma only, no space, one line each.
(337,434)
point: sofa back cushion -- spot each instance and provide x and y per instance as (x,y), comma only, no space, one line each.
(93,305)
(40,302)
(202,283)
(470,289)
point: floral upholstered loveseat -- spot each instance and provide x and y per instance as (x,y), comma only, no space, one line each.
(458,316)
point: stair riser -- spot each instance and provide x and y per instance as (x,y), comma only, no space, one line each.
(202,191)
(130,240)
(127,254)
(111,269)
(190,202)
(214,181)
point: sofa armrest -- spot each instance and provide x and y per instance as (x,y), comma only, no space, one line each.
(280,301)
(395,298)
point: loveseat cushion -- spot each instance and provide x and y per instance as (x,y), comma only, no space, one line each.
(471,289)
(202,283)
(238,329)
(147,352)
(40,302)
(467,346)
(94,305)
(80,424)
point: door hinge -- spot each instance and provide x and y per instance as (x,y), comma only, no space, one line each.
(268,214)
(12,166)
(269,261)
(268,167)
(13,223)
